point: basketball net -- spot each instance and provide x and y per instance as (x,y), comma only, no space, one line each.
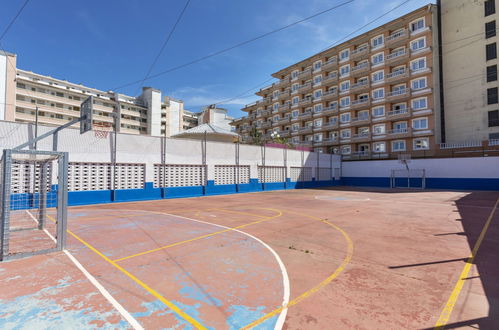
(101,129)
(405,159)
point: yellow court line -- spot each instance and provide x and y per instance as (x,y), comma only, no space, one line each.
(243,213)
(195,238)
(169,304)
(316,288)
(451,302)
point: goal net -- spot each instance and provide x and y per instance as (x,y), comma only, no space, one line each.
(33,199)
(408,178)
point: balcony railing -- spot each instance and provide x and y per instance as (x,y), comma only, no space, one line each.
(398,94)
(399,131)
(284,107)
(307,129)
(306,101)
(283,121)
(360,103)
(305,73)
(397,75)
(305,115)
(360,119)
(305,86)
(330,77)
(399,113)
(360,68)
(329,94)
(397,37)
(330,63)
(330,110)
(361,85)
(361,136)
(359,52)
(330,125)
(397,56)
(284,95)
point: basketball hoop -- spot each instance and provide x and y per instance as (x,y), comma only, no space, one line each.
(102,129)
(405,159)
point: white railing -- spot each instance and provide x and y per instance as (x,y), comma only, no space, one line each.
(399,92)
(361,66)
(396,54)
(398,112)
(331,61)
(330,76)
(397,35)
(399,131)
(396,74)
(360,50)
(360,84)
(466,144)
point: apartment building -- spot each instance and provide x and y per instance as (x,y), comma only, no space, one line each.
(190,120)
(469,47)
(377,93)
(216,116)
(58,101)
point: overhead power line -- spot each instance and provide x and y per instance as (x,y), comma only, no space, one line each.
(234,46)
(165,43)
(13,20)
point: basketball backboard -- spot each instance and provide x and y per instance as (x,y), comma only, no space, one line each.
(86,111)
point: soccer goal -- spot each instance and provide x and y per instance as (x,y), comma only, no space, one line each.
(33,198)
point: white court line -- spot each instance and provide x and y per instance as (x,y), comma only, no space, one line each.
(285,279)
(133,322)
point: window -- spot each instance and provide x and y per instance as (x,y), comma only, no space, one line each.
(295,127)
(491,50)
(379,129)
(345,70)
(378,58)
(490,29)
(378,76)
(490,7)
(379,111)
(379,147)
(346,150)
(419,104)
(494,118)
(345,117)
(294,74)
(421,144)
(363,115)
(418,44)
(344,55)
(276,119)
(492,73)
(345,134)
(417,25)
(492,95)
(345,102)
(275,94)
(296,99)
(378,93)
(318,122)
(318,137)
(418,64)
(418,84)
(398,145)
(345,86)
(317,65)
(420,123)
(318,93)
(318,108)
(295,87)
(276,106)
(317,79)
(377,41)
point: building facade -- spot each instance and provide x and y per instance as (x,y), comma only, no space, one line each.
(215,116)
(190,119)
(377,93)
(22,93)
(469,47)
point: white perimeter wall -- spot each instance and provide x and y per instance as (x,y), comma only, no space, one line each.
(147,149)
(3,85)
(475,167)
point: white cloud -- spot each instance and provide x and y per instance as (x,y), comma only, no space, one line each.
(206,95)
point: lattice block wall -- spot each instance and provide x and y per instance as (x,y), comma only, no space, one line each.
(271,174)
(170,175)
(300,174)
(26,177)
(90,176)
(130,176)
(324,173)
(228,174)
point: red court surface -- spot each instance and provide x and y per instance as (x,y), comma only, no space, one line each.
(334,258)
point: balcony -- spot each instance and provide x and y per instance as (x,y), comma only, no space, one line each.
(283,121)
(329,95)
(397,39)
(361,120)
(361,137)
(306,130)
(399,132)
(284,95)
(360,86)
(306,101)
(317,99)
(275,123)
(359,53)
(330,64)
(305,87)
(360,69)
(284,133)
(398,95)
(397,57)
(360,103)
(266,124)
(396,76)
(284,107)
(305,74)
(305,115)
(331,110)
(262,114)
(331,78)
(329,141)
(282,82)
(422,132)
(330,125)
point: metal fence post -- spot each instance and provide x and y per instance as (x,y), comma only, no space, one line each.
(62,198)
(5,202)
(42,195)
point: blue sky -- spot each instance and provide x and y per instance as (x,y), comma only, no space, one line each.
(106,44)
